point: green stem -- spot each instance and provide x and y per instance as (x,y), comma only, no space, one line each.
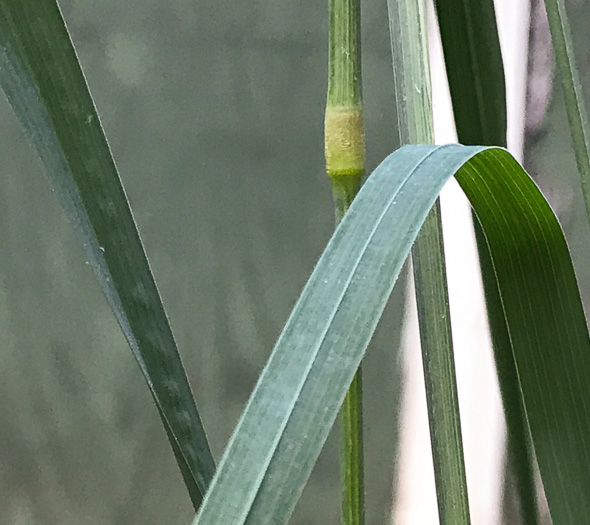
(415,124)
(439,372)
(345,164)
(344,77)
(351,453)
(344,190)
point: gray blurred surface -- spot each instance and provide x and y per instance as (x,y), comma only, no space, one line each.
(214,112)
(550,157)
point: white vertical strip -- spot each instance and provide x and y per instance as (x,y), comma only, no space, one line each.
(479,400)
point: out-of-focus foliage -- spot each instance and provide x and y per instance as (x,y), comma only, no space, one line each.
(549,154)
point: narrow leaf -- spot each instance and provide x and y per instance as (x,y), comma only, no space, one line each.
(474,68)
(41,77)
(475,72)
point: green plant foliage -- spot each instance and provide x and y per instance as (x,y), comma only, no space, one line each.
(287,419)
(474,68)
(344,139)
(473,63)
(41,77)
(411,73)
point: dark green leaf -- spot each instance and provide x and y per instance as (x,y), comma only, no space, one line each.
(473,62)
(41,77)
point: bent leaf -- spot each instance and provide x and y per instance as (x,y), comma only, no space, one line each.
(41,77)
(473,62)
(286,422)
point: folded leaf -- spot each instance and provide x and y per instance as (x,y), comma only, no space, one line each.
(286,422)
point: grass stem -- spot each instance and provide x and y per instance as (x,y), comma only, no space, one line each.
(345,165)
(415,124)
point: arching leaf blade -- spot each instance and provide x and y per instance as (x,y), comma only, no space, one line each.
(546,325)
(287,419)
(475,72)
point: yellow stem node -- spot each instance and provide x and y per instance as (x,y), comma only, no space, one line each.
(344,141)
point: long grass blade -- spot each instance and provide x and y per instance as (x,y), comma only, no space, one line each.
(41,77)
(475,72)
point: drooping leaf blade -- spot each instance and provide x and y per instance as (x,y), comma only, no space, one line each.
(475,72)
(42,79)
(474,68)
(287,419)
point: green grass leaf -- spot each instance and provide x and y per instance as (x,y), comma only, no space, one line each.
(288,417)
(41,77)
(473,62)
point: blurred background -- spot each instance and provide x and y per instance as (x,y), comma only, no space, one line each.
(214,113)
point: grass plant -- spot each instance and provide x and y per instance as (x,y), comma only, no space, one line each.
(540,333)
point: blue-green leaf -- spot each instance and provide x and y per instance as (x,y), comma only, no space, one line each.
(288,417)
